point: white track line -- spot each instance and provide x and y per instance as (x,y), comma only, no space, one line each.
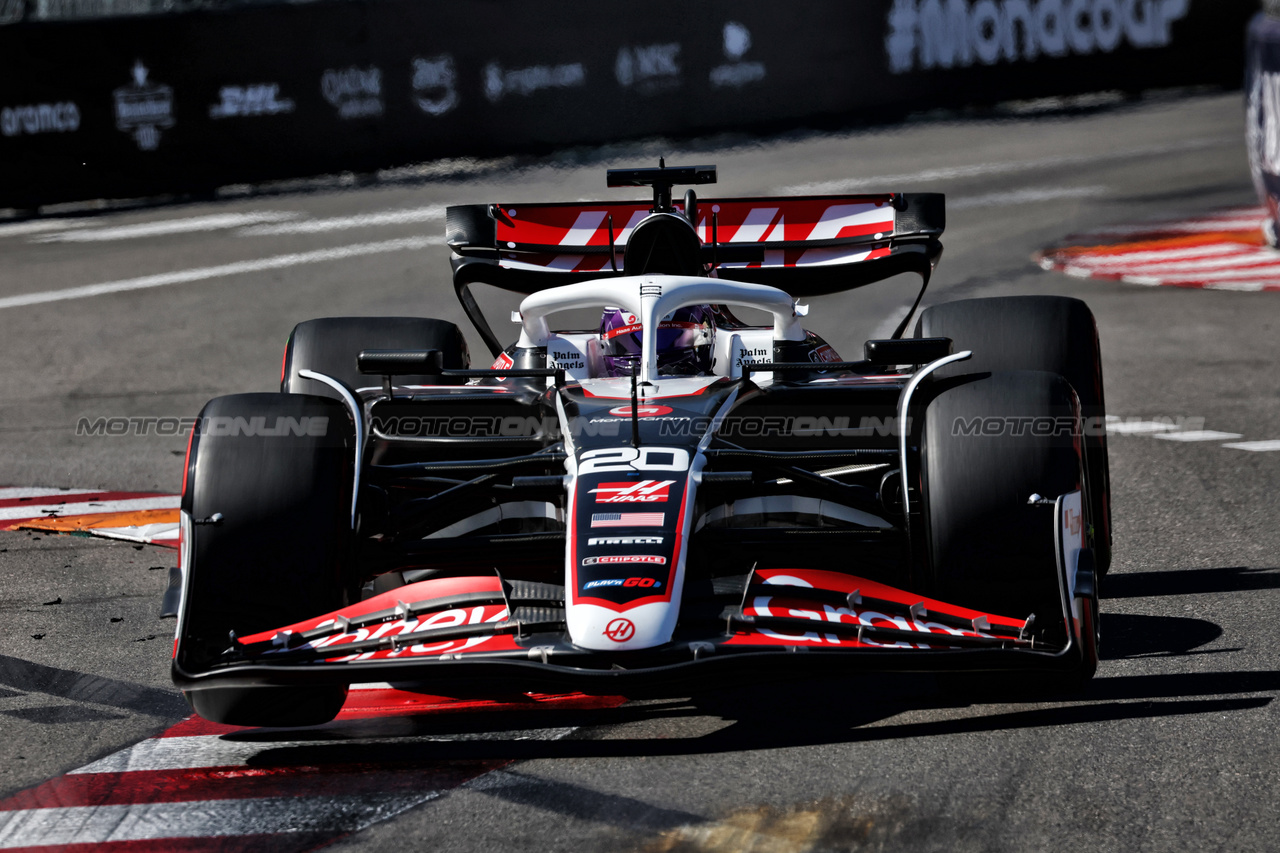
(340,223)
(1256,265)
(1246,286)
(1197,435)
(238,268)
(1250,285)
(1222,260)
(980,169)
(1195,226)
(1255,446)
(1242,261)
(70,510)
(1157,255)
(16,492)
(1139,427)
(39,226)
(195,751)
(213,222)
(210,818)
(1027,196)
(1087,264)
(1225,275)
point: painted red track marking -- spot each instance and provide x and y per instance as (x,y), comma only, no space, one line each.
(1222,251)
(239,783)
(47,817)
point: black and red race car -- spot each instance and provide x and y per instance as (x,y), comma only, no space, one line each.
(672,499)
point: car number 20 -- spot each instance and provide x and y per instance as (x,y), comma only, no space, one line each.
(613,459)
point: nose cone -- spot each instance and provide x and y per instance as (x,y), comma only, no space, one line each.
(625,561)
(604,629)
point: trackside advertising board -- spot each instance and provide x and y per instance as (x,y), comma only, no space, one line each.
(136,106)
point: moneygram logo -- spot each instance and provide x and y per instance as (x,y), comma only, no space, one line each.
(927,34)
(640,492)
(649,411)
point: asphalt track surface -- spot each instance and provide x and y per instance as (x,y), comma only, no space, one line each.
(1172,746)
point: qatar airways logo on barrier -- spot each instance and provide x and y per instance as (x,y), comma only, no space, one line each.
(926,34)
(354,92)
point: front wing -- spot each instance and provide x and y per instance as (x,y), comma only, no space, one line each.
(484,632)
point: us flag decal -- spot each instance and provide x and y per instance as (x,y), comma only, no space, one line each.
(640,491)
(626,519)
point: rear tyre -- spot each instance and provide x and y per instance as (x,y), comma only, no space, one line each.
(1053,333)
(988,548)
(330,346)
(280,552)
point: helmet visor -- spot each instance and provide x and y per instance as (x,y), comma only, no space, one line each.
(672,335)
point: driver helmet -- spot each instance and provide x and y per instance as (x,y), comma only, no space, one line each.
(685,345)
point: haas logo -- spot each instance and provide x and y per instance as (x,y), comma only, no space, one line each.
(642,491)
(620,630)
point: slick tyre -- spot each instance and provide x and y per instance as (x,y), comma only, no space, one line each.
(268,489)
(1052,333)
(988,548)
(331,345)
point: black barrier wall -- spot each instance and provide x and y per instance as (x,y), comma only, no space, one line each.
(186,103)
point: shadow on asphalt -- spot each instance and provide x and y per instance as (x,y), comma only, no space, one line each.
(778,716)
(1132,636)
(1188,582)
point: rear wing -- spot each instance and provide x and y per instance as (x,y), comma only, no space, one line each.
(805,245)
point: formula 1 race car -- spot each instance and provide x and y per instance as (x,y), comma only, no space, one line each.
(673,499)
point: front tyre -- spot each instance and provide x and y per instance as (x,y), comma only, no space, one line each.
(275,471)
(988,547)
(1052,333)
